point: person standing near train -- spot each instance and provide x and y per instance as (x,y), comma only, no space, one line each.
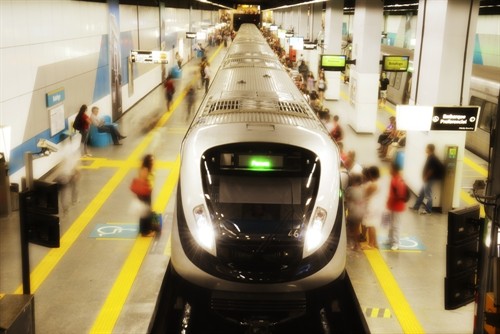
(383,84)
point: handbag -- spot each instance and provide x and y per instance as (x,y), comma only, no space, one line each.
(140,187)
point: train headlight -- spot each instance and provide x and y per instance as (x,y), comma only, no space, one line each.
(204,233)
(314,233)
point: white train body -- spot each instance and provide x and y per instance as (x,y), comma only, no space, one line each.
(259,203)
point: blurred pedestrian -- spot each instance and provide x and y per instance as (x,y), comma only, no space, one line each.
(191,97)
(321,83)
(374,206)
(337,132)
(432,173)
(68,174)
(178,58)
(396,205)
(356,209)
(169,90)
(208,76)
(144,190)
(203,64)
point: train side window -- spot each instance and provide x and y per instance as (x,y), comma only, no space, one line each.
(487,116)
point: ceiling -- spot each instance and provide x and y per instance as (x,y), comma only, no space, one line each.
(487,7)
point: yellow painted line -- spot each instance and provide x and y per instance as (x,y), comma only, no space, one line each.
(105,163)
(380,126)
(48,263)
(113,305)
(113,239)
(110,312)
(402,250)
(402,309)
(469,200)
(390,110)
(481,170)
(168,247)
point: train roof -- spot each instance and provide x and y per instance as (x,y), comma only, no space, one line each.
(252,86)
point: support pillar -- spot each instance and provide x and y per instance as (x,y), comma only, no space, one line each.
(442,69)
(333,44)
(364,76)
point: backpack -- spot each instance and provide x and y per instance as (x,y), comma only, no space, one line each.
(77,123)
(406,196)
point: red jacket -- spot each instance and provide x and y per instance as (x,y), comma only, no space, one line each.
(397,192)
(85,122)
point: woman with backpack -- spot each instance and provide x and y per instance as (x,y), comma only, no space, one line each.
(82,125)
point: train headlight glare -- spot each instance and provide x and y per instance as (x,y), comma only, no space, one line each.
(204,228)
(314,233)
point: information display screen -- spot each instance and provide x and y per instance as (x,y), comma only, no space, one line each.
(333,62)
(252,162)
(395,63)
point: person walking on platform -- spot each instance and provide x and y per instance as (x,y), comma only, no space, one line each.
(203,64)
(337,132)
(396,205)
(356,207)
(169,90)
(374,206)
(208,76)
(103,127)
(432,173)
(145,179)
(191,97)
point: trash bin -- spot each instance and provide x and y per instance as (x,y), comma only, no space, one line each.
(14,196)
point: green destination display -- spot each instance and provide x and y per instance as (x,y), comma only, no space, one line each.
(395,63)
(333,62)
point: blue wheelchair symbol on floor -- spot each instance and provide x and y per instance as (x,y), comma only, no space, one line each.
(115,231)
(405,243)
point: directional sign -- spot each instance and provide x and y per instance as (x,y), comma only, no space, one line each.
(425,118)
(145,56)
(455,118)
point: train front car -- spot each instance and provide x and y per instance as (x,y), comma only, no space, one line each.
(259,206)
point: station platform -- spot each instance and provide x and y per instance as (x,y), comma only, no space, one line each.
(105,278)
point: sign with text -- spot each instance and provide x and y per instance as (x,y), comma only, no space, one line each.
(455,118)
(152,57)
(426,118)
(395,63)
(190,35)
(54,97)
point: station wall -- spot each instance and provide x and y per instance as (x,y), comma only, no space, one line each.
(49,45)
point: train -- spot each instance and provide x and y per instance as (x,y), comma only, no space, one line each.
(484,92)
(259,221)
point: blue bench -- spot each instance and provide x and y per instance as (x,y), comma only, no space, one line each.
(100,139)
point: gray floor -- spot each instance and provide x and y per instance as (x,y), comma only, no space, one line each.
(72,296)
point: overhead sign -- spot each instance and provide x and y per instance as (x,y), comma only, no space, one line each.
(152,57)
(455,118)
(310,46)
(190,35)
(395,63)
(425,118)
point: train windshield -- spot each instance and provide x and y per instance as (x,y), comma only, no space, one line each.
(257,189)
